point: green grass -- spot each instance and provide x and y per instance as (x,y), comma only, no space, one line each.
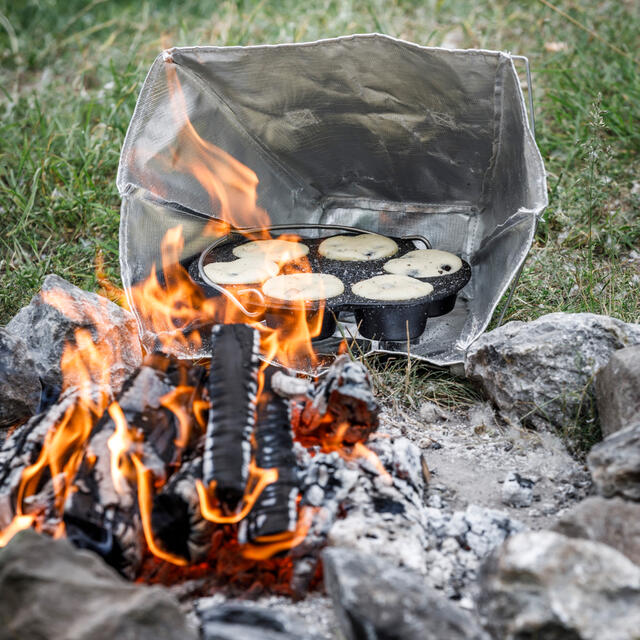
(71,72)
(70,75)
(407,384)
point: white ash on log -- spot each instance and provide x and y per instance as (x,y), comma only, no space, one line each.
(288,386)
(345,394)
(100,516)
(326,480)
(233,388)
(275,511)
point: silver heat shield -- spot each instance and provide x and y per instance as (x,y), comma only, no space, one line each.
(364,130)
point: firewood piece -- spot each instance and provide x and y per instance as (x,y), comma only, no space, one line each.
(176,518)
(102,514)
(233,387)
(275,511)
(291,387)
(345,394)
(21,450)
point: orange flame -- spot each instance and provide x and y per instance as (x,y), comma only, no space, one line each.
(258,480)
(19,523)
(335,442)
(120,444)
(145,502)
(230,184)
(282,542)
(177,401)
(174,313)
(86,365)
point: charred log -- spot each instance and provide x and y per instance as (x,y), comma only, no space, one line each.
(102,513)
(343,398)
(145,402)
(275,511)
(294,388)
(21,450)
(233,387)
(99,515)
(176,519)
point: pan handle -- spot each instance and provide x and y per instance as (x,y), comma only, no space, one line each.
(317,225)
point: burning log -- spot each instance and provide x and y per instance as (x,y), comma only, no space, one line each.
(101,515)
(233,388)
(132,448)
(176,519)
(22,450)
(342,406)
(275,512)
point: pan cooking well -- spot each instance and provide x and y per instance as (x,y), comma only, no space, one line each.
(379,320)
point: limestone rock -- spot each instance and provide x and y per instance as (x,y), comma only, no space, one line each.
(542,371)
(45,329)
(618,390)
(19,383)
(52,590)
(615,522)
(546,586)
(376,600)
(615,463)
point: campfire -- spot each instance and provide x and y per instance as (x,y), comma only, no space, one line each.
(190,460)
(200,453)
(189,465)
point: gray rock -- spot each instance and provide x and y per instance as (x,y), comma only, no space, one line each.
(52,590)
(45,329)
(615,522)
(618,390)
(546,586)
(542,371)
(247,621)
(376,600)
(19,383)
(517,491)
(615,463)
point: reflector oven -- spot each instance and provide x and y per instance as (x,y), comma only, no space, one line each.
(422,144)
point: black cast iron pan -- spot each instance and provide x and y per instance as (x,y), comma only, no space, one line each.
(380,320)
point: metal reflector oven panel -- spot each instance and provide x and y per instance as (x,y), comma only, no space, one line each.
(366,131)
